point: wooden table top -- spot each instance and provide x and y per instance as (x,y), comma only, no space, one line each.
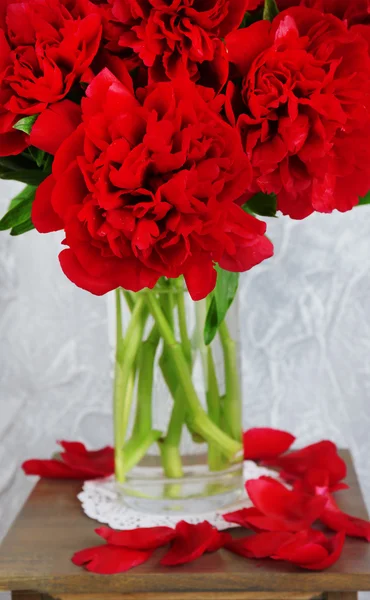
(36,555)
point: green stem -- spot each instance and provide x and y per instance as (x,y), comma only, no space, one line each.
(214,411)
(232,402)
(171,461)
(181,310)
(129,299)
(118,392)
(132,343)
(125,374)
(170,445)
(198,338)
(167,303)
(135,449)
(198,418)
(170,374)
(144,412)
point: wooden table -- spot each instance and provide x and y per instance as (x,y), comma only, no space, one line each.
(35,561)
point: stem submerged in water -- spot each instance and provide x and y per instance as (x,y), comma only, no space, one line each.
(118,392)
(199,419)
(232,400)
(219,426)
(143,421)
(215,461)
(125,373)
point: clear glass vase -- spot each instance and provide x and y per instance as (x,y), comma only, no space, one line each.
(177,403)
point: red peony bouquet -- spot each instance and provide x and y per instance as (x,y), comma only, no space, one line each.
(155,134)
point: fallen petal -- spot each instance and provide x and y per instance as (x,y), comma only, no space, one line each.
(312,551)
(262,443)
(108,559)
(146,538)
(191,542)
(338,520)
(261,545)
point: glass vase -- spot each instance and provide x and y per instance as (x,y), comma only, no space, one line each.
(177,403)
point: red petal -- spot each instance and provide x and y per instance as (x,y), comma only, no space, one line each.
(311,550)
(108,559)
(250,244)
(68,151)
(146,538)
(53,469)
(13,142)
(74,271)
(244,45)
(253,4)
(105,92)
(200,276)
(54,125)
(73,447)
(337,520)
(294,509)
(321,455)
(235,13)
(44,218)
(301,550)
(220,539)
(261,443)
(261,545)
(335,547)
(191,542)
(315,482)
(98,463)
(129,274)
(242,517)
(252,518)
(248,256)
(76,462)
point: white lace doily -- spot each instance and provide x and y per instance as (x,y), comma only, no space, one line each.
(101,501)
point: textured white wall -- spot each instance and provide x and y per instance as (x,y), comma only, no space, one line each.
(306,345)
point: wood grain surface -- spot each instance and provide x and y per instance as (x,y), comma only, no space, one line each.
(36,555)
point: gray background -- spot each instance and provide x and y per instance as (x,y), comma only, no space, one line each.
(305,322)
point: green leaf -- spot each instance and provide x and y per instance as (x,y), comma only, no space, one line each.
(28,176)
(364,200)
(221,300)
(246,21)
(270,10)
(28,193)
(211,324)
(25,124)
(250,18)
(262,204)
(22,228)
(19,211)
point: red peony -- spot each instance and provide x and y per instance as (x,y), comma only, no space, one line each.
(178,38)
(146,187)
(45,47)
(354,11)
(303,110)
